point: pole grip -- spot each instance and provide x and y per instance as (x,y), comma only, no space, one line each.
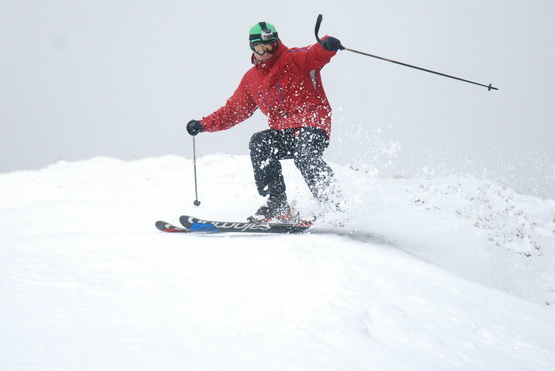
(317,28)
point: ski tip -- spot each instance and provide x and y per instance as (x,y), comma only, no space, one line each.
(168,227)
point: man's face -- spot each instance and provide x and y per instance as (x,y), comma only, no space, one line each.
(264,50)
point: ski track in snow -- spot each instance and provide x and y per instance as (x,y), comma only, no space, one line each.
(428,273)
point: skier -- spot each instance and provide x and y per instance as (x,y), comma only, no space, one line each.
(285,84)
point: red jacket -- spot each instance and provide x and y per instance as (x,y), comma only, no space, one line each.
(287,88)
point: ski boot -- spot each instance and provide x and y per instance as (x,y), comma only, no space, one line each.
(276,210)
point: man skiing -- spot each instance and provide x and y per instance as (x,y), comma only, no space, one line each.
(285,84)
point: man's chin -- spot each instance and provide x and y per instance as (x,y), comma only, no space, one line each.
(263,58)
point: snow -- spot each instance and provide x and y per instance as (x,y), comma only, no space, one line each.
(429,273)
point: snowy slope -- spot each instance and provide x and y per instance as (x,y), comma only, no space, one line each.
(428,274)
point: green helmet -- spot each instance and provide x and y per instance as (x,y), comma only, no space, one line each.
(262,32)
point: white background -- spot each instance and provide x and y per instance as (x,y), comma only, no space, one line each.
(81,79)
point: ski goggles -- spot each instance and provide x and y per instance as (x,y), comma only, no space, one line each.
(262,47)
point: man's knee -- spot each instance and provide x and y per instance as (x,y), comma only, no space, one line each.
(260,139)
(311,146)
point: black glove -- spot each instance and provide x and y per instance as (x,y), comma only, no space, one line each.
(194,127)
(332,44)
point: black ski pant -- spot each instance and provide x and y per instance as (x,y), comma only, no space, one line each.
(305,146)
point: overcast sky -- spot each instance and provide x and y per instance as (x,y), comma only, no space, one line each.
(81,79)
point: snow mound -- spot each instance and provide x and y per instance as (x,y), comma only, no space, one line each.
(428,273)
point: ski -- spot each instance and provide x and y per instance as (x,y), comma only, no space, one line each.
(193,224)
(168,227)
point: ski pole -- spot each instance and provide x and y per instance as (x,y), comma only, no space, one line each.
(196,202)
(317,29)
